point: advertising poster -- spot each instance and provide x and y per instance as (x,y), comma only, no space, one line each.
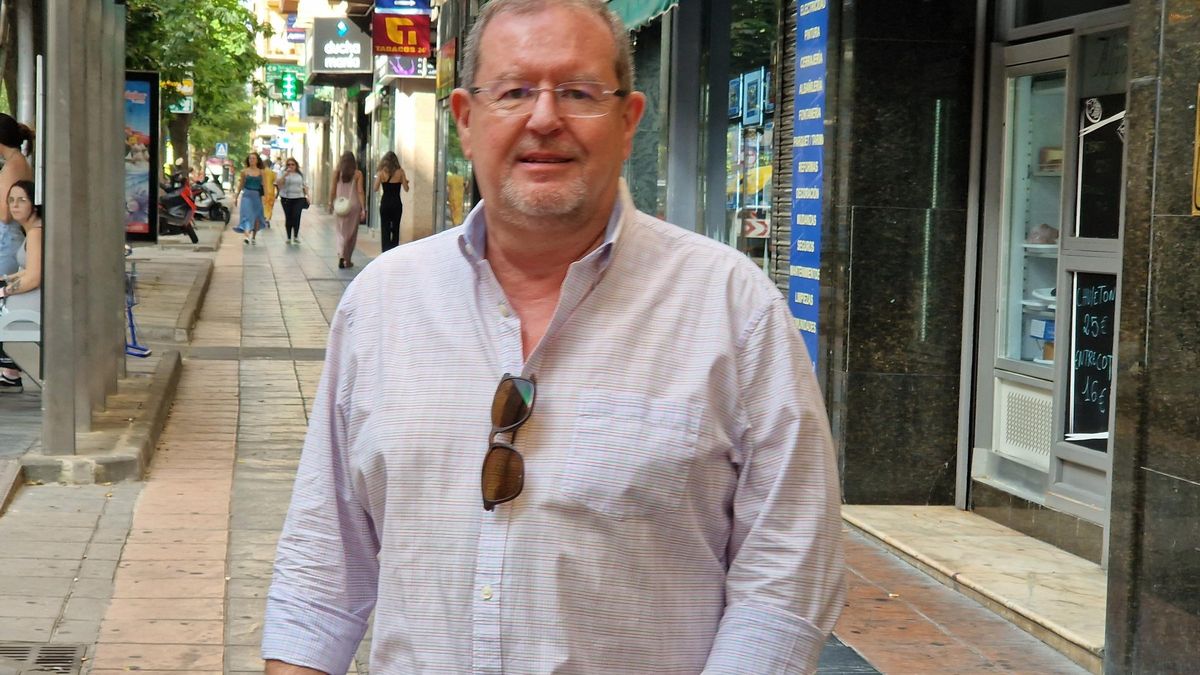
(808,171)
(733,168)
(752,97)
(141,156)
(735,97)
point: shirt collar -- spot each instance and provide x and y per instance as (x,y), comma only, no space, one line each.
(473,240)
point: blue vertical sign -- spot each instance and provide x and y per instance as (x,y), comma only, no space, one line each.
(808,169)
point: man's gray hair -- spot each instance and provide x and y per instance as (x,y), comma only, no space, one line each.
(620,36)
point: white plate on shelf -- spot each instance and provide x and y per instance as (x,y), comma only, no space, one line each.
(1044,294)
(1033,304)
(1040,247)
(1044,362)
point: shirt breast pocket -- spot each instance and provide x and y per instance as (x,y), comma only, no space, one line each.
(631,455)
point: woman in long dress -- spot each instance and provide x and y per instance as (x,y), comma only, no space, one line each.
(347,200)
(250,191)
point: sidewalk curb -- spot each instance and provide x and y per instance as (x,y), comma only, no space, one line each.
(11,479)
(188,315)
(125,457)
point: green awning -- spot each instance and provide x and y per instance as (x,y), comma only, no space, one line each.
(637,13)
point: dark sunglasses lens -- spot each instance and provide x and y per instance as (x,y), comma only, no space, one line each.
(514,400)
(503,474)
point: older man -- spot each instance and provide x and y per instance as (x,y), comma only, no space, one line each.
(655,490)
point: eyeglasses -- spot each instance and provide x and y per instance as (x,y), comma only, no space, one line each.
(574,99)
(504,467)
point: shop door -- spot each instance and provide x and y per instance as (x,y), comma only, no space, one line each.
(1051,252)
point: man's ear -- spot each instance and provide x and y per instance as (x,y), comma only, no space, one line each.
(460,107)
(631,115)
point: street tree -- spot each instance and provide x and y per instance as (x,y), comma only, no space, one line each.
(211,42)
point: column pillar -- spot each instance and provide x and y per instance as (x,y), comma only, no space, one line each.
(58,330)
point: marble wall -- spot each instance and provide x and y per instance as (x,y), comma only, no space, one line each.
(1154,540)
(894,248)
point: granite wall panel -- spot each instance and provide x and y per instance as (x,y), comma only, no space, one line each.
(1154,536)
(900,448)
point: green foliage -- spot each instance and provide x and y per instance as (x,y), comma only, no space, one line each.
(231,124)
(211,41)
(752,34)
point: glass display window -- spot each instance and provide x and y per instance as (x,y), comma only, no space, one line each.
(1036,104)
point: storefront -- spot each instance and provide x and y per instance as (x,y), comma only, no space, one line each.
(402,119)
(1050,272)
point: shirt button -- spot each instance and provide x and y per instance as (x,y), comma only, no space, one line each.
(486,593)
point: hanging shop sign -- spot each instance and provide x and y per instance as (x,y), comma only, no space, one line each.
(401,34)
(338,46)
(186,104)
(402,7)
(410,67)
(294,34)
(808,170)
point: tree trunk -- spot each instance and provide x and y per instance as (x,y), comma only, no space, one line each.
(178,126)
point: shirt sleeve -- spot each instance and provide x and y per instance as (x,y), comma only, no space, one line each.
(785,585)
(323,588)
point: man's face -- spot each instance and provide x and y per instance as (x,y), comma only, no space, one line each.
(545,164)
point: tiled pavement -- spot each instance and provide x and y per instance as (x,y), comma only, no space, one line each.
(169,575)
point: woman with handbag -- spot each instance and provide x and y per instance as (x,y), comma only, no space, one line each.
(347,201)
(26,215)
(293,192)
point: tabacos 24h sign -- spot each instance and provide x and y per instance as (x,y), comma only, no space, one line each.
(338,46)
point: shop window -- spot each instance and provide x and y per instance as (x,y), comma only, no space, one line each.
(646,172)
(1103,72)
(1029,12)
(750,131)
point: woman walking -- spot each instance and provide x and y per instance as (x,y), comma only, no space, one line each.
(293,192)
(26,215)
(390,177)
(250,191)
(347,201)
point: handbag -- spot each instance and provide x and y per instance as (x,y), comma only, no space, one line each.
(341,206)
(303,203)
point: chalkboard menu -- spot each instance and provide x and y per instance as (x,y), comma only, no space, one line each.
(1101,152)
(1093,335)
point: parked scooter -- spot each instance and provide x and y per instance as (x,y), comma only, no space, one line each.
(210,200)
(177,208)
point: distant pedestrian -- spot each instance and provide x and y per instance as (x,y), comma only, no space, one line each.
(15,140)
(390,176)
(26,215)
(293,192)
(250,193)
(347,201)
(269,192)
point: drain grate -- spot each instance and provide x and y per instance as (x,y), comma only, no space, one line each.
(17,658)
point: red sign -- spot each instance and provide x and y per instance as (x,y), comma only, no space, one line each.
(401,34)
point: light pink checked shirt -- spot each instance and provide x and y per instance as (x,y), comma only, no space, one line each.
(681,505)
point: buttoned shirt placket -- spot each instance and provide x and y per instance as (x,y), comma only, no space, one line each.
(505,326)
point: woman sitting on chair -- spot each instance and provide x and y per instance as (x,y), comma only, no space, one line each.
(28,278)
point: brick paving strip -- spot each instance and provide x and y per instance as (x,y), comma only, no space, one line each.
(167,608)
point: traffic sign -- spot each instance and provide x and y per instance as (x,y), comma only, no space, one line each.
(222,150)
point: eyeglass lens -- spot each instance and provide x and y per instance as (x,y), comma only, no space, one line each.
(503,475)
(512,404)
(574,99)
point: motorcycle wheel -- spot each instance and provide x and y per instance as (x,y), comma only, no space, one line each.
(225,214)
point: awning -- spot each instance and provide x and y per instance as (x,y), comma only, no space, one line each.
(637,13)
